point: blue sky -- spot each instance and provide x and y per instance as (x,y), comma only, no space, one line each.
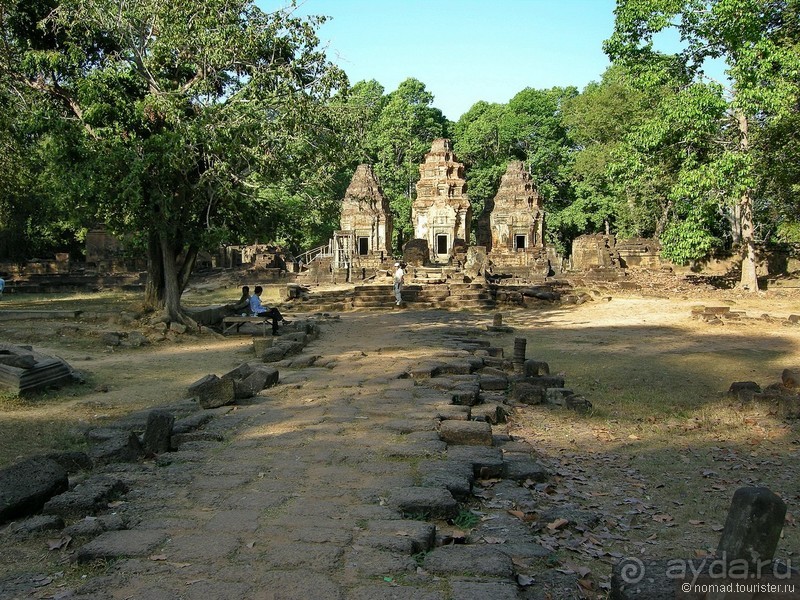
(466,50)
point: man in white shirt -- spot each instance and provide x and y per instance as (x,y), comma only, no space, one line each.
(259,310)
(399,275)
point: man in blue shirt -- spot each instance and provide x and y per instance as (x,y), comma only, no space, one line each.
(2,286)
(259,310)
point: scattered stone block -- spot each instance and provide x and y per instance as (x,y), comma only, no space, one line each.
(87,498)
(523,468)
(122,447)
(34,525)
(157,433)
(487,463)
(547,381)
(491,412)
(469,433)
(455,476)
(213,392)
(453,412)
(430,502)
(489,382)
(535,368)
(526,392)
(466,394)
(558,396)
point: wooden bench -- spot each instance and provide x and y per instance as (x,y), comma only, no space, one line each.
(229,323)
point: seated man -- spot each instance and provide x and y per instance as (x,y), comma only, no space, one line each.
(242,305)
(259,310)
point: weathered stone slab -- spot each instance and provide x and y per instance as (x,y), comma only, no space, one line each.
(483,590)
(127,543)
(479,560)
(399,535)
(491,412)
(463,367)
(526,392)
(547,381)
(455,476)
(453,412)
(535,368)
(213,392)
(28,484)
(33,525)
(424,501)
(486,462)
(523,468)
(87,498)
(470,433)
(753,527)
(492,382)
(466,394)
(123,447)
(558,395)
(395,592)
(157,433)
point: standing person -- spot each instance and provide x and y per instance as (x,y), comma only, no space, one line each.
(260,310)
(399,276)
(2,286)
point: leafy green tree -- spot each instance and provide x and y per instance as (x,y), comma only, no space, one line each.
(528,128)
(598,120)
(399,140)
(187,111)
(757,39)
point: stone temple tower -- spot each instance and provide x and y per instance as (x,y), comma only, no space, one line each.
(441,214)
(365,233)
(516,220)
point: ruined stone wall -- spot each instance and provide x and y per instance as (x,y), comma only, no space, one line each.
(594,251)
(639,253)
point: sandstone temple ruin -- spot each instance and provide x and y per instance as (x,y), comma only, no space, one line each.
(441,213)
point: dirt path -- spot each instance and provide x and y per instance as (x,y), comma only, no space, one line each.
(297,501)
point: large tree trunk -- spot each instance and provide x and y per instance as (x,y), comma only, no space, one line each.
(172,288)
(165,281)
(749,280)
(154,288)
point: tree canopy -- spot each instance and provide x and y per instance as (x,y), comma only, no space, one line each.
(186,126)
